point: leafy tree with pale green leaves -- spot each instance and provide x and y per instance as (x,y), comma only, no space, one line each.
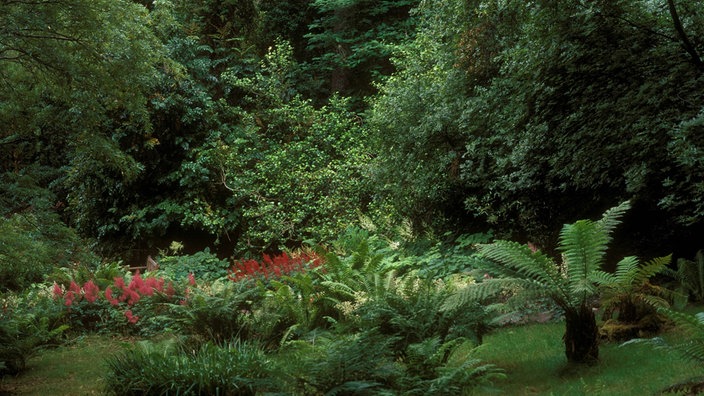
(568,284)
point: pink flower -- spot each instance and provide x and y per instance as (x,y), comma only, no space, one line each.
(57,291)
(131,318)
(191,279)
(108,296)
(90,291)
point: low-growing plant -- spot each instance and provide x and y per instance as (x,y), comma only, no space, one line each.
(119,306)
(221,311)
(27,321)
(689,276)
(203,265)
(170,368)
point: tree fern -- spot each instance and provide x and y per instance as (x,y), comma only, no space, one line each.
(629,290)
(570,285)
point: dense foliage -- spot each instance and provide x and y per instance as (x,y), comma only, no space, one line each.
(529,115)
(314,179)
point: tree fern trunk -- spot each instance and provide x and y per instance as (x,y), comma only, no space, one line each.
(581,335)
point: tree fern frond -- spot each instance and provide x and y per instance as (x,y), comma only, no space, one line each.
(651,300)
(517,257)
(602,278)
(692,324)
(612,218)
(626,270)
(652,267)
(583,245)
(488,288)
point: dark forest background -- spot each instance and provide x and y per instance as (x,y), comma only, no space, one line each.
(250,126)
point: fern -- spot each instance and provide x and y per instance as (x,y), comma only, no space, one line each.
(690,276)
(692,325)
(629,290)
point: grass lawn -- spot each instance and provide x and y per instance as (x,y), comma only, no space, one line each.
(74,369)
(534,360)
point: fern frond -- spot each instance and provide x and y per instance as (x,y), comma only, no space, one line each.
(583,245)
(651,300)
(652,267)
(626,270)
(603,278)
(490,288)
(517,259)
(692,324)
(338,288)
(612,218)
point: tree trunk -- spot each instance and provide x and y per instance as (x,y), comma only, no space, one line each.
(581,336)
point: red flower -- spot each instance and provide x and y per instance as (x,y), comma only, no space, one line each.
(68,298)
(119,283)
(131,318)
(74,288)
(170,291)
(191,279)
(57,291)
(90,291)
(110,298)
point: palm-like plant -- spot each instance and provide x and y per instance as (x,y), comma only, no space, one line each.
(569,284)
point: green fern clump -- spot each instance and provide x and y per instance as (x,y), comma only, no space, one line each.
(629,294)
(690,277)
(219,312)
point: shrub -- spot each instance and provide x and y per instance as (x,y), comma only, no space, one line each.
(690,277)
(27,321)
(203,265)
(219,312)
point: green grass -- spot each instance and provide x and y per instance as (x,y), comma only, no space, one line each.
(74,369)
(535,364)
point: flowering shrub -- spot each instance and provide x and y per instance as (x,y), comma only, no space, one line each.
(87,307)
(276,266)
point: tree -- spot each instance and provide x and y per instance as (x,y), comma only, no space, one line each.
(74,77)
(508,113)
(353,40)
(569,284)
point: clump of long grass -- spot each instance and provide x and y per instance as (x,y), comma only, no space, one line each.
(175,368)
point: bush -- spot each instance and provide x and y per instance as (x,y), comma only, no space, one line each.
(203,265)
(27,322)
(220,312)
